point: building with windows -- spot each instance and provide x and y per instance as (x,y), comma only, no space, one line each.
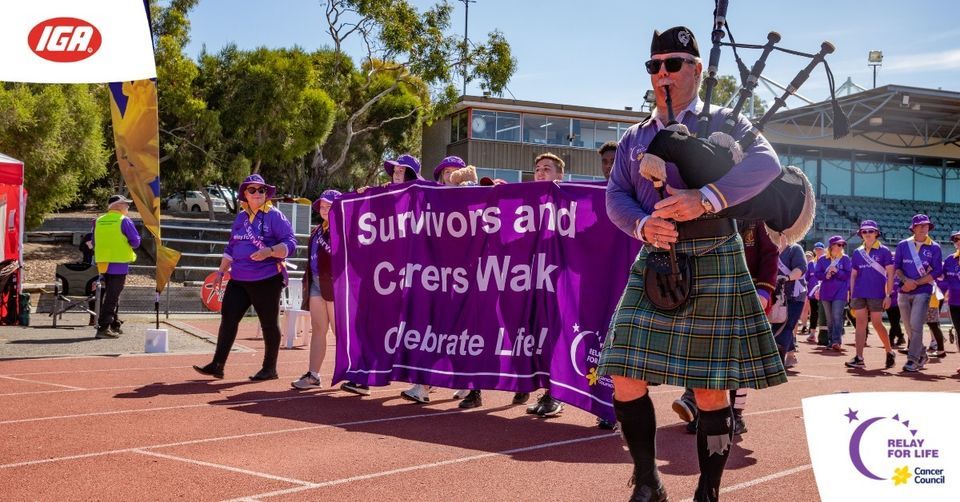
(902,156)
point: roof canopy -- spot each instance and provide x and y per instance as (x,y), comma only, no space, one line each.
(11,170)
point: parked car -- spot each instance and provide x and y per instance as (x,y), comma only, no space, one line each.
(229,195)
(193,200)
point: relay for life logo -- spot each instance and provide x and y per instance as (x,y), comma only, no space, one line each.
(64,39)
(894,445)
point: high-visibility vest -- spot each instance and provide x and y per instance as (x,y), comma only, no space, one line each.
(110,245)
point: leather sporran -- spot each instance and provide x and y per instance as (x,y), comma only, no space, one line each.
(665,288)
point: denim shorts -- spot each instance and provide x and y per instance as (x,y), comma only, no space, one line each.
(871,304)
(315,287)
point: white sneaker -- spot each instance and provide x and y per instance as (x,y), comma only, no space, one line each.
(790,360)
(307,381)
(417,393)
(461,394)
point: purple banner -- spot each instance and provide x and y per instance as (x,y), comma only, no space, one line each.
(508,287)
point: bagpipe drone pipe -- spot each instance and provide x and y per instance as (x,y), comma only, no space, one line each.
(787,205)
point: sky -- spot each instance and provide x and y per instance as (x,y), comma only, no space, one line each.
(591,53)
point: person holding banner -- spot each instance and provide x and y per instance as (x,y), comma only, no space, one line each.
(917,264)
(260,240)
(318,291)
(607,152)
(446,167)
(718,338)
(114,239)
(871,291)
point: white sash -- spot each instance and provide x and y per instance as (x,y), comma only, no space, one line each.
(871,262)
(915,256)
(797,287)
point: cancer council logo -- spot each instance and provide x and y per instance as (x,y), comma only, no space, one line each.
(64,39)
(891,449)
(585,356)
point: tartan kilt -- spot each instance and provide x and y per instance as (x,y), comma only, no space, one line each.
(719,339)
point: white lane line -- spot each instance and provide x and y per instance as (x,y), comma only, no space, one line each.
(235,436)
(179,407)
(755,482)
(226,468)
(70,387)
(431,465)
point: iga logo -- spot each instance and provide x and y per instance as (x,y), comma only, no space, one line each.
(64,39)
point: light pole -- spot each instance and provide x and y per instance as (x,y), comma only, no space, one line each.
(875,59)
(466,41)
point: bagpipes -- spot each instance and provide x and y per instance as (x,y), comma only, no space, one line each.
(787,205)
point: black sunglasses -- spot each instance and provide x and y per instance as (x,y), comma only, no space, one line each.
(673,64)
(253,190)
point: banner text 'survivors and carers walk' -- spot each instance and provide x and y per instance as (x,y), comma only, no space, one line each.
(508,287)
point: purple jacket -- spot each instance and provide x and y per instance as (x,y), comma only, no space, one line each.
(931,259)
(951,278)
(870,283)
(133,237)
(836,287)
(630,197)
(268,228)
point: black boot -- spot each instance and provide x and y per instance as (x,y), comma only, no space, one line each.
(714,438)
(213,369)
(638,424)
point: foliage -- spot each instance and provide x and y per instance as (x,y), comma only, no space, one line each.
(727,87)
(56,130)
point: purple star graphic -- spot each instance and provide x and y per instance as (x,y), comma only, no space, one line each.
(852,415)
(906,423)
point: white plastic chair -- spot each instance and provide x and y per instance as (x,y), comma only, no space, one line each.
(296,321)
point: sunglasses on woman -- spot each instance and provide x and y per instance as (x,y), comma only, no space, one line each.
(253,190)
(868,231)
(673,65)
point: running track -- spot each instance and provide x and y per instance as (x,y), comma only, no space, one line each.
(149,427)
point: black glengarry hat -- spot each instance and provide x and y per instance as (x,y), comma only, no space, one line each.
(676,39)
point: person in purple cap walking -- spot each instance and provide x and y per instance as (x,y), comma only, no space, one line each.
(918,263)
(833,270)
(318,291)
(871,291)
(260,240)
(441,173)
(951,280)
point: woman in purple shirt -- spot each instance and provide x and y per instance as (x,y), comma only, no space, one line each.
(260,240)
(318,291)
(833,270)
(951,280)
(872,287)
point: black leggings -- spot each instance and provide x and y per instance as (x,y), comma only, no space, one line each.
(814,314)
(896,331)
(264,295)
(937,335)
(955,315)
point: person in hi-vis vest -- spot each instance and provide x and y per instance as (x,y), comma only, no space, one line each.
(114,239)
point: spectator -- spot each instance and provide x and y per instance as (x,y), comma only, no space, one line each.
(114,239)
(607,153)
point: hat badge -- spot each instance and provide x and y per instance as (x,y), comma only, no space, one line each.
(683,36)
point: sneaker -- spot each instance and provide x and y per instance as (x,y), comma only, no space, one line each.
(685,410)
(952,338)
(923,361)
(739,426)
(550,407)
(812,339)
(903,351)
(856,362)
(356,388)
(899,342)
(473,400)
(911,367)
(462,393)
(521,398)
(534,409)
(418,393)
(307,381)
(791,359)
(692,426)
(117,327)
(836,347)
(106,333)
(212,369)
(941,355)
(606,424)
(891,356)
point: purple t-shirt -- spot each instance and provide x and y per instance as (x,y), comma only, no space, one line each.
(951,278)
(870,283)
(836,287)
(267,229)
(931,261)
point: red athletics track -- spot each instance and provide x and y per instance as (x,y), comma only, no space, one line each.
(135,428)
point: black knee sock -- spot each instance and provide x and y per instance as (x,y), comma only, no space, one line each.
(714,437)
(638,423)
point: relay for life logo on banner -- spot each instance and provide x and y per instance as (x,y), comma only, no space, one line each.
(884,445)
(70,41)
(509,287)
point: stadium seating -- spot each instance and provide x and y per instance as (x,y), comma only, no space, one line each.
(842,215)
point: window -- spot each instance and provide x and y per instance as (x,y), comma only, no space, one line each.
(458,127)
(508,175)
(868,181)
(483,125)
(953,185)
(558,131)
(584,133)
(606,131)
(898,181)
(836,176)
(928,183)
(534,129)
(508,126)
(582,177)
(809,166)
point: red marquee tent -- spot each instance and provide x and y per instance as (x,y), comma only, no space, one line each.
(13,202)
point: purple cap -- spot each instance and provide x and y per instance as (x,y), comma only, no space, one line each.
(411,163)
(255,179)
(819,245)
(327,195)
(837,239)
(921,219)
(869,225)
(451,161)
